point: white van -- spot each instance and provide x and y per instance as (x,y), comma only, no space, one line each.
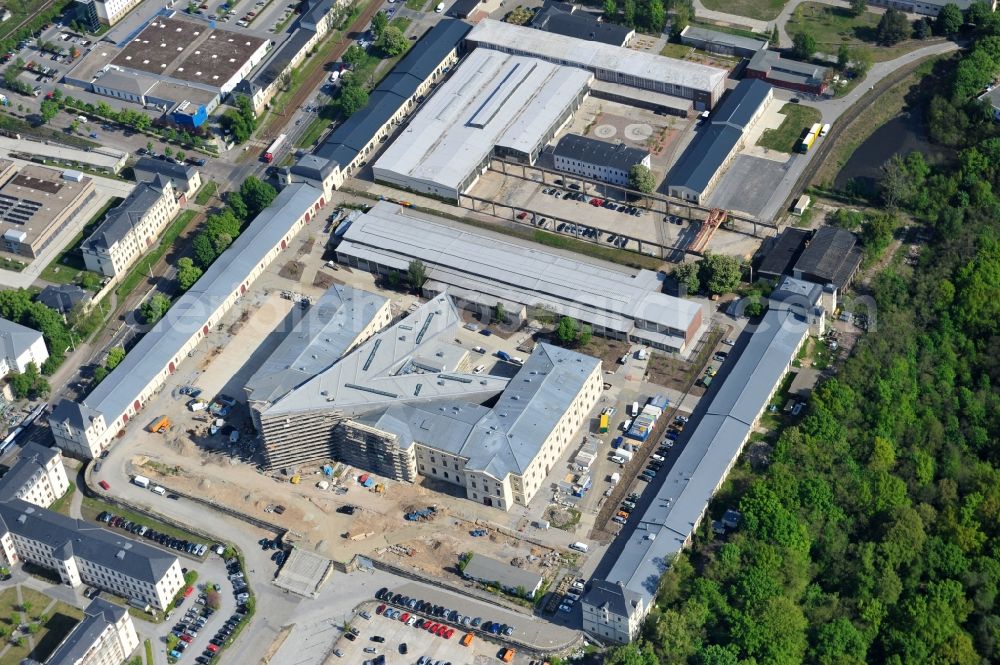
(439,8)
(635,409)
(580,547)
(158,490)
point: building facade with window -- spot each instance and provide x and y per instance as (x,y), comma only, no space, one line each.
(105,636)
(19,346)
(598,160)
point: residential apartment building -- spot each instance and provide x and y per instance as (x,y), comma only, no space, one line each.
(131,228)
(598,160)
(20,345)
(110,12)
(105,636)
(185,178)
(79,552)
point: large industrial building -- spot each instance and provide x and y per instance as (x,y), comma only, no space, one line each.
(702,163)
(80,553)
(702,84)
(183,66)
(316,338)
(406,403)
(480,268)
(131,228)
(493,104)
(36,202)
(87,427)
(614,607)
(355,140)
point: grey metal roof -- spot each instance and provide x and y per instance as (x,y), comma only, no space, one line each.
(612,596)
(15,339)
(222,279)
(525,272)
(486,569)
(315,341)
(121,220)
(503,439)
(413,361)
(724,38)
(277,62)
(315,12)
(31,461)
(592,151)
(63,297)
(740,105)
(146,169)
(493,101)
(663,528)
(640,65)
(783,252)
(774,66)
(581,24)
(98,616)
(69,536)
(704,157)
(826,253)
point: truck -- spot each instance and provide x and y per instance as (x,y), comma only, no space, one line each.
(141,481)
(161,424)
(604,424)
(272,150)
(616,478)
(624,454)
(810,138)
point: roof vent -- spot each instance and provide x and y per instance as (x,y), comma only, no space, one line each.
(324,393)
(22,518)
(120,555)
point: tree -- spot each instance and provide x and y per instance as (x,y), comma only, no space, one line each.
(803,45)
(353,98)
(567,330)
(862,58)
(922,29)
(416,274)
(641,178)
(628,13)
(610,10)
(187,273)
(775,36)
(393,42)
(979,14)
(656,16)
(379,23)
(30,384)
(153,309)
(843,57)
(686,275)
(257,195)
(859,7)
(681,20)
(116,354)
(214,599)
(90,281)
(949,20)
(26,606)
(893,27)
(720,273)
(204,249)
(354,55)
(586,333)
(49,109)
(499,313)
(239,207)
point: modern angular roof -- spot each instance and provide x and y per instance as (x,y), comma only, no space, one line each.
(318,339)
(596,56)
(592,151)
(486,569)
(826,253)
(716,439)
(98,616)
(493,100)
(15,339)
(412,361)
(520,271)
(121,220)
(62,297)
(503,439)
(112,397)
(581,25)
(71,537)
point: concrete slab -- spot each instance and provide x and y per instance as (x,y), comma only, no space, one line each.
(748,184)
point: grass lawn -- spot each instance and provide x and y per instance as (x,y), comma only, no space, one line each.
(679,51)
(833,26)
(416,5)
(313,131)
(206,192)
(764,10)
(61,619)
(787,136)
(68,265)
(92,507)
(141,269)
(401,22)
(61,505)
(12,264)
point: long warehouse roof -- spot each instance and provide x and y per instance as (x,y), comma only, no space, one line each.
(391,234)
(112,397)
(595,55)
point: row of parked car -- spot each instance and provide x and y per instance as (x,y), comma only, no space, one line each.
(571,596)
(187,629)
(443,613)
(138,529)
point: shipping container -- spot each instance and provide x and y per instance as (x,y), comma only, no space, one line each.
(604,423)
